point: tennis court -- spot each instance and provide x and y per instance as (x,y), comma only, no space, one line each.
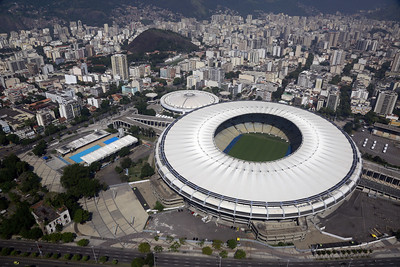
(111,140)
(77,157)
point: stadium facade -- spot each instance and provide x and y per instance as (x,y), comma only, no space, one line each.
(322,169)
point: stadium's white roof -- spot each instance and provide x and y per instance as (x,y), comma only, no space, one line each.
(324,168)
(109,149)
(83,141)
(187,100)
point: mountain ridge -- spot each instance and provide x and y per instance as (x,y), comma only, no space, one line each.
(19,14)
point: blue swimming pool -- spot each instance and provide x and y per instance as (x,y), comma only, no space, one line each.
(77,157)
(109,141)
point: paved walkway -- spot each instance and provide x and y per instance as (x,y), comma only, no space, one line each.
(116,214)
(50,177)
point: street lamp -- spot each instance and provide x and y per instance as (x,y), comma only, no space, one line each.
(220,263)
(40,252)
(94,254)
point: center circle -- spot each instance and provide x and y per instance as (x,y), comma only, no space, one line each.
(258,137)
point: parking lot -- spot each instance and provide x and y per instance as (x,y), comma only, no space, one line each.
(362,216)
(392,152)
(184,224)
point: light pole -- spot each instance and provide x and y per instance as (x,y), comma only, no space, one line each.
(94,254)
(220,261)
(40,252)
(154,259)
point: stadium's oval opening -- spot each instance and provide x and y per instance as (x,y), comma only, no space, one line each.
(258,137)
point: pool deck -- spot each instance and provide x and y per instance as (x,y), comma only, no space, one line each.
(99,142)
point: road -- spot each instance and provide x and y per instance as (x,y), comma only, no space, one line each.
(9,261)
(163,259)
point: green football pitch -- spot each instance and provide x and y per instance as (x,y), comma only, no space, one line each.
(259,147)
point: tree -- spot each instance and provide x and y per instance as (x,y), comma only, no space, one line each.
(144,247)
(232,243)
(68,237)
(6,251)
(217,244)
(158,248)
(149,260)
(207,250)
(77,257)
(34,233)
(59,227)
(335,80)
(22,220)
(124,152)
(134,130)
(348,127)
(3,203)
(126,163)
(146,170)
(95,166)
(81,216)
(223,254)
(103,259)
(56,256)
(215,90)
(177,81)
(118,169)
(85,112)
(78,182)
(240,254)
(137,262)
(83,242)
(159,206)
(30,181)
(13,138)
(40,148)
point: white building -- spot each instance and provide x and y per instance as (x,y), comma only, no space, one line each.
(49,217)
(70,109)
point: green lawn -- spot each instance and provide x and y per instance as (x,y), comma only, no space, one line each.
(259,147)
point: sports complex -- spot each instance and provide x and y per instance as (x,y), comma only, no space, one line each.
(96,146)
(187,100)
(251,160)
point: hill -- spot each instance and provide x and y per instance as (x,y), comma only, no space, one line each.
(161,40)
(25,14)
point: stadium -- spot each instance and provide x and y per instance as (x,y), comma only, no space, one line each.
(251,160)
(187,100)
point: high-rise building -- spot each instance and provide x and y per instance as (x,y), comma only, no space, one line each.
(333,38)
(338,57)
(106,30)
(333,100)
(385,103)
(70,109)
(395,67)
(45,116)
(216,74)
(297,53)
(119,65)
(318,83)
